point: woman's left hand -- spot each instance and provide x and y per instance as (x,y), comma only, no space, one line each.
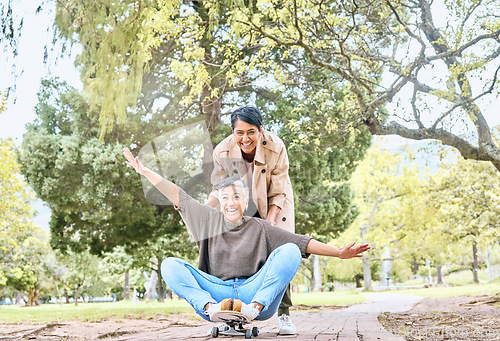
(351,251)
(134,161)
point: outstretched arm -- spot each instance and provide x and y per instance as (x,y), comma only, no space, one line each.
(350,251)
(167,188)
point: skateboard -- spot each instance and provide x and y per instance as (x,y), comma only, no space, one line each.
(235,321)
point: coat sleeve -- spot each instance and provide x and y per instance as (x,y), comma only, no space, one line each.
(218,174)
(279,176)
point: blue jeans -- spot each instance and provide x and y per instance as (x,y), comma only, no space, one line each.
(267,286)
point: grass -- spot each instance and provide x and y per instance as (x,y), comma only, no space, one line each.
(456,278)
(463,290)
(94,312)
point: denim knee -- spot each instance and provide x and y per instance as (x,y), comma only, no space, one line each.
(292,252)
(169,267)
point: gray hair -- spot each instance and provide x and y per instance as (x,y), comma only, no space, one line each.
(233,181)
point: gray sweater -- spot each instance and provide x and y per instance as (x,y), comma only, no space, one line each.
(233,251)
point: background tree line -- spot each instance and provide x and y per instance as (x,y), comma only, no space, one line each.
(323,73)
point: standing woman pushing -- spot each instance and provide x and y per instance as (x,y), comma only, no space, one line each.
(260,159)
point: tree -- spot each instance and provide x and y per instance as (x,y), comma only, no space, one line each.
(195,65)
(396,210)
(27,274)
(218,62)
(82,267)
(467,194)
(445,68)
(149,256)
(323,153)
(221,46)
(95,200)
(16,210)
(123,40)
(322,156)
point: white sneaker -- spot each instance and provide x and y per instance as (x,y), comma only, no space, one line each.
(249,310)
(286,326)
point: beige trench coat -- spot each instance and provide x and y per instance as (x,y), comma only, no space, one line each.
(270,182)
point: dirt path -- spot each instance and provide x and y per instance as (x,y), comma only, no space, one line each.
(454,318)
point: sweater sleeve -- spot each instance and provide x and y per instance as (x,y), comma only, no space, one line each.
(277,236)
(202,221)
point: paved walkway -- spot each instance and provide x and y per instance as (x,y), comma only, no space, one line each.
(356,323)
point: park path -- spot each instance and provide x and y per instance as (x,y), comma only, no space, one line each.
(356,323)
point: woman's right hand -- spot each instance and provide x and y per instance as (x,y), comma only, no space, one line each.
(134,161)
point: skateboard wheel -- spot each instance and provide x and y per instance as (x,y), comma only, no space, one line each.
(215,331)
(248,334)
(255,331)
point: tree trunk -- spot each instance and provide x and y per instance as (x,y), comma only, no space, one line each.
(306,278)
(439,275)
(126,292)
(159,286)
(211,110)
(31,297)
(317,274)
(18,298)
(66,296)
(76,294)
(210,106)
(58,292)
(367,274)
(475,264)
(428,264)
(486,257)
(357,278)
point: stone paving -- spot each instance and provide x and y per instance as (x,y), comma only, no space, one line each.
(356,323)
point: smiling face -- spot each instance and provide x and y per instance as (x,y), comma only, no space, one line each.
(246,135)
(233,203)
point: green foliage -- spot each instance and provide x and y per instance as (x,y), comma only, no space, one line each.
(16,213)
(96,201)
(465,290)
(200,57)
(26,273)
(123,40)
(385,185)
(468,198)
(323,151)
(114,54)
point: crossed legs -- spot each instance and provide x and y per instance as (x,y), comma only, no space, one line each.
(265,287)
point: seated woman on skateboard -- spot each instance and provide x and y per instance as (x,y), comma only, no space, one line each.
(245,263)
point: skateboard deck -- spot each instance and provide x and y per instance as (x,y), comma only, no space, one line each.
(228,316)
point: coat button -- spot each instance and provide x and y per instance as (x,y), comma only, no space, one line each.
(263,171)
(283,219)
(235,171)
(264,143)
